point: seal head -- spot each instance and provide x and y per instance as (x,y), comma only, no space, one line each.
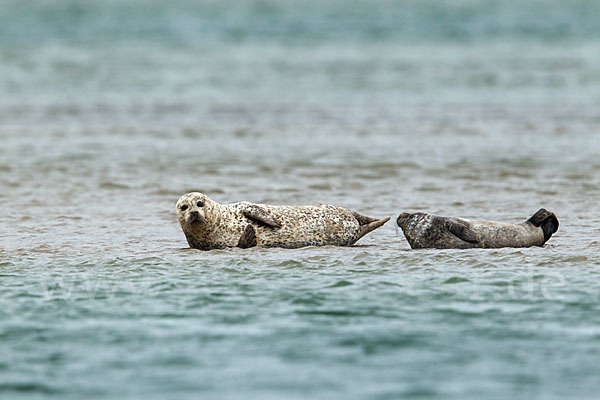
(424,230)
(193,208)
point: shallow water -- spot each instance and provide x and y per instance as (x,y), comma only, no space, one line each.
(112,110)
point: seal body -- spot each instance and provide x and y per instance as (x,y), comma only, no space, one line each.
(431,231)
(209,225)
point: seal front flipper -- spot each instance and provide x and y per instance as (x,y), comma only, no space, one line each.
(248,238)
(462,231)
(258,214)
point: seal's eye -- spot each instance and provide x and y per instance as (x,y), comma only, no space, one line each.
(200,203)
(184,207)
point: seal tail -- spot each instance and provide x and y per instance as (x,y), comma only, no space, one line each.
(546,220)
(367,224)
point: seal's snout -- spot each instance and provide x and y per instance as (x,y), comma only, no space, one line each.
(402,218)
(194,216)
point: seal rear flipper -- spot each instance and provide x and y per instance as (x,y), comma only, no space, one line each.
(248,238)
(260,215)
(363,219)
(546,220)
(462,231)
(371,226)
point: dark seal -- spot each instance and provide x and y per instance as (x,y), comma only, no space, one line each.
(427,231)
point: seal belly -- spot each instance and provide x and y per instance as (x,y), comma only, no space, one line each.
(497,234)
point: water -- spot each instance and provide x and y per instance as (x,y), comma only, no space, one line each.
(111,110)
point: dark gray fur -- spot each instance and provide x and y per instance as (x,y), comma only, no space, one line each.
(424,230)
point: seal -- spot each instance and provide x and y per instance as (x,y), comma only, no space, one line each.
(209,225)
(428,231)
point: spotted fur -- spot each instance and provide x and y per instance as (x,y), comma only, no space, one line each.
(213,225)
(431,231)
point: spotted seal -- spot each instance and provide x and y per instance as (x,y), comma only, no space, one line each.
(209,225)
(431,231)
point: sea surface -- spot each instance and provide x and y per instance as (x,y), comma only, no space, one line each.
(112,109)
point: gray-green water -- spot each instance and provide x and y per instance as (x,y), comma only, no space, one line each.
(110,110)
